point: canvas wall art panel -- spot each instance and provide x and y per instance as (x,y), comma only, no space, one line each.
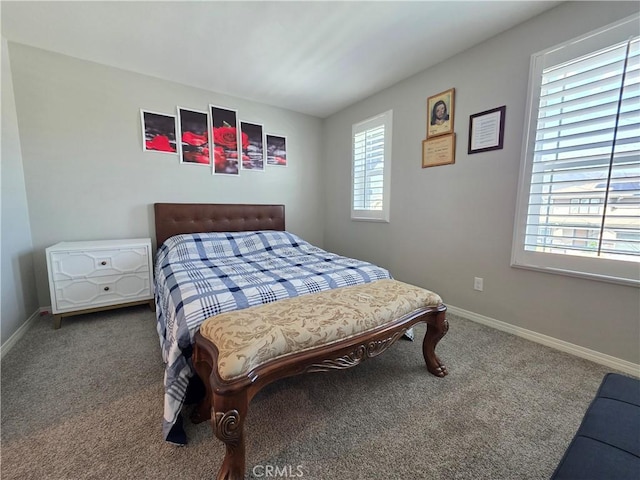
(253,152)
(193,126)
(276,150)
(158,132)
(226,136)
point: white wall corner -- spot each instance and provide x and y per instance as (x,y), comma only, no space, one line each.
(18,334)
(582,352)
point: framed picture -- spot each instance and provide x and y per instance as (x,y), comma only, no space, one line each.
(193,126)
(253,150)
(440,113)
(439,151)
(226,146)
(276,150)
(158,132)
(486,130)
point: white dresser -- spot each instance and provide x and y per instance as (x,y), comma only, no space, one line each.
(99,275)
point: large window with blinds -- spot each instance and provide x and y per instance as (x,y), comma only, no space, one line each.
(579,194)
(371,168)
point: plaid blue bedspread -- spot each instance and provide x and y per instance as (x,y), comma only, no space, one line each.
(201,275)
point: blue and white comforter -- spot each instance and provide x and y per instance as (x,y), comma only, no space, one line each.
(201,275)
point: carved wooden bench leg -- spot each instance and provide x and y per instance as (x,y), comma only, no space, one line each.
(203,366)
(437,327)
(228,415)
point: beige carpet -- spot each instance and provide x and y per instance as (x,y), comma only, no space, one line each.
(86,402)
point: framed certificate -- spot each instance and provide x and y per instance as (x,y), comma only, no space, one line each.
(439,151)
(486,130)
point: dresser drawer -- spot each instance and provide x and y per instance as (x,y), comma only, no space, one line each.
(98,263)
(93,292)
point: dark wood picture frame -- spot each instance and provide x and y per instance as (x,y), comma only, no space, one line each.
(486,130)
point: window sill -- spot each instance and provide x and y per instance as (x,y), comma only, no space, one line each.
(374,220)
(572,273)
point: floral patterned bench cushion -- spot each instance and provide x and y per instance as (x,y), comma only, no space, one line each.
(248,338)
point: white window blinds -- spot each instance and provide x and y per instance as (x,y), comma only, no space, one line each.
(371,168)
(585,184)
(582,162)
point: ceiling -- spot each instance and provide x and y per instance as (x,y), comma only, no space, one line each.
(311,57)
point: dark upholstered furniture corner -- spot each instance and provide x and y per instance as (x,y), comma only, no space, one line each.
(607,444)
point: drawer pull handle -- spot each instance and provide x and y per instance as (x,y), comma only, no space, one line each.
(106,289)
(104,262)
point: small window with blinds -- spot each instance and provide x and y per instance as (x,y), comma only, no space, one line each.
(579,197)
(371,168)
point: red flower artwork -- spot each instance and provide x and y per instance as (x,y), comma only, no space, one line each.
(224,136)
(220,158)
(158,132)
(196,157)
(161,143)
(195,148)
(276,150)
(227,137)
(194,139)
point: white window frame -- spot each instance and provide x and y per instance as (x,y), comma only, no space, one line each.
(384,119)
(607,270)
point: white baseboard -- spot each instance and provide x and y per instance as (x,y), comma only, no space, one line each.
(18,334)
(597,357)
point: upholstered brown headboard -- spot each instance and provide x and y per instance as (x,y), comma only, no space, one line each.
(176,218)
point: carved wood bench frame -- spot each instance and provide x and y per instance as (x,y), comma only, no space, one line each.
(227,402)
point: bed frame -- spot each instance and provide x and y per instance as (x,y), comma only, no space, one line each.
(226,403)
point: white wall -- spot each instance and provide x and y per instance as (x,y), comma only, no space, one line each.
(452,223)
(19,299)
(85,172)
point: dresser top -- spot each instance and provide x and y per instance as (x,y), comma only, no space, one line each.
(94,244)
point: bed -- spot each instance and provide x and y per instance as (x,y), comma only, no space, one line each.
(217,258)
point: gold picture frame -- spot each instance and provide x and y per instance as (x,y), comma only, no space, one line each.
(439,151)
(440,113)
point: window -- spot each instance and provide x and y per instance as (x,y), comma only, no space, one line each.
(371,168)
(579,194)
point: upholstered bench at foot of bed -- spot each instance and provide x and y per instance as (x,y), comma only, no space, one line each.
(238,353)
